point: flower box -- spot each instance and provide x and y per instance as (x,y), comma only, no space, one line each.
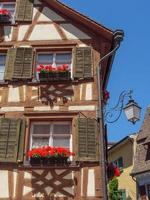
(35,161)
(57,76)
(4,16)
(55,161)
(49,156)
(50,73)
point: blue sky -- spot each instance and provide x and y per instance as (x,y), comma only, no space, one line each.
(131,68)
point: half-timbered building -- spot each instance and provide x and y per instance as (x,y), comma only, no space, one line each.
(41,110)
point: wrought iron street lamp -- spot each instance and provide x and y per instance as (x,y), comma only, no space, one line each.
(132,109)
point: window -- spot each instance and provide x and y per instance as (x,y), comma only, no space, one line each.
(148,191)
(122,194)
(119,162)
(2,65)
(54,59)
(10,6)
(50,133)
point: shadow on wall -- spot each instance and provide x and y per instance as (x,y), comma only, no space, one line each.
(148,153)
(51,94)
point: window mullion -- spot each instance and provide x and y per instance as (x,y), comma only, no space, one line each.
(54,59)
(50,138)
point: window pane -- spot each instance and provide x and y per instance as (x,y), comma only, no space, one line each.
(45,59)
(2,59)
(10,7)
(63,142)
(2,66)
(40,141)
(41,129)
(61,129)
(63,58)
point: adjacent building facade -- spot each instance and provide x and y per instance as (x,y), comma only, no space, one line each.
(141,169)
(122,155)
(38,110)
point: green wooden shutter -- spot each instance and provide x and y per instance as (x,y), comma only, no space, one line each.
(19,63)
(120,162)
(23,64)
(87,140)
(83,62)
(10,60)
(9,139)
(24,10)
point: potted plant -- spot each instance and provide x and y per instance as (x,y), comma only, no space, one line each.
(50,73)
(4,15)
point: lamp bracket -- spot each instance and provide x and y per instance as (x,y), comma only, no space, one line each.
(109,113)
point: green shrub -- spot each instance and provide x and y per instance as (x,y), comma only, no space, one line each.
(113,189)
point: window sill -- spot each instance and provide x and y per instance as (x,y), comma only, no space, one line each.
(72,166)
(38,83)
(8,23)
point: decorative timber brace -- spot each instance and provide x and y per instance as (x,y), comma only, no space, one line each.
(11,140)
(87,139)
(24,10)
(19,63)
(83,62)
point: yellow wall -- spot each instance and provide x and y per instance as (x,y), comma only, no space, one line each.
(126,151)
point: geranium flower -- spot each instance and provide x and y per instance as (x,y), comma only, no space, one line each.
(4,12)
(49,151)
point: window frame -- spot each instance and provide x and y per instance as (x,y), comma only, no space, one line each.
(116,162)
(3,53)
(10,2)
(54,52)
(51,134)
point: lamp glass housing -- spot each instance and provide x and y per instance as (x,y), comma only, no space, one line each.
(132,111)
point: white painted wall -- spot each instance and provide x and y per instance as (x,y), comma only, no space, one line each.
(22,30)
(13,94)
(88,107)
(91,183)
(44,32)
(4,193)
(88,94)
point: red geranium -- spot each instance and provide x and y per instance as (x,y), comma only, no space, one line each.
(4,12)
(49,151)
(49,69)
(106,96)
(113,171)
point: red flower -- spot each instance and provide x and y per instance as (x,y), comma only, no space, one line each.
(117,171)
(106,96)
(49,151)
(48,68)
(4,12)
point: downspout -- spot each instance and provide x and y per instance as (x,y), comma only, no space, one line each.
(118,37)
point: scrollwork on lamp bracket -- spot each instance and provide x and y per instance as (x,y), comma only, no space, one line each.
(110,112)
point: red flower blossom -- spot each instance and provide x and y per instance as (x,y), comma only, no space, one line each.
(106,96)
(113,171)
(4,12)
(48,68)
(50,151)
(117,171)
